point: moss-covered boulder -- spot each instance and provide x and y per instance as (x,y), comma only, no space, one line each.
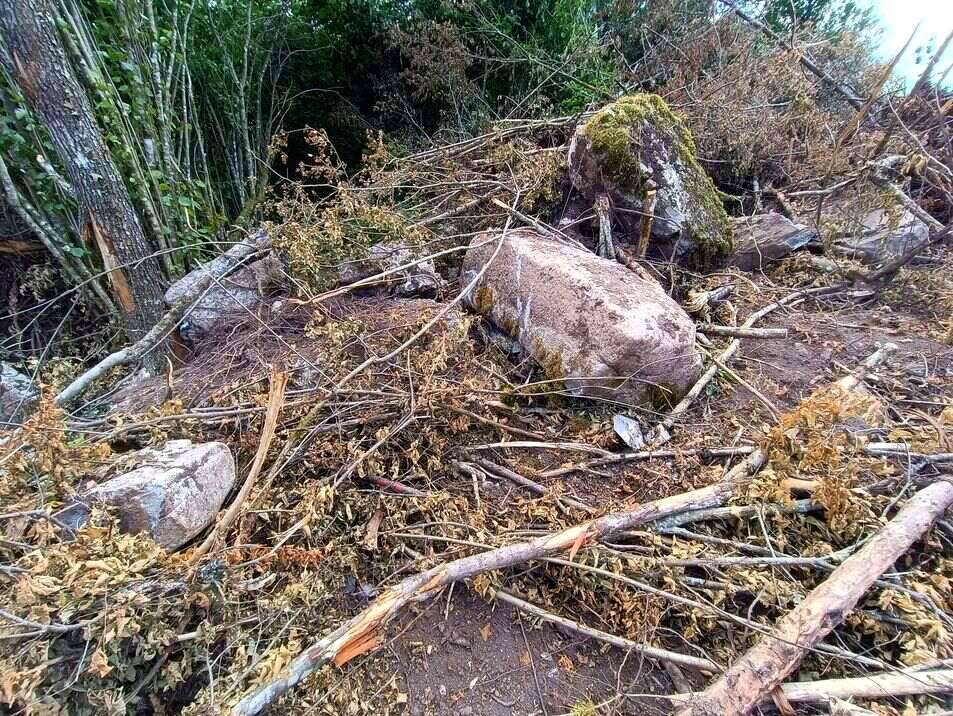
(637,143)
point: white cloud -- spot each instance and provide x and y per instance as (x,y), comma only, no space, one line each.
(899,17)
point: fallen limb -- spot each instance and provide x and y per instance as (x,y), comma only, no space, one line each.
(685,403)
(903,450)
(835,651)
(878,176)
(497,424)
(689,662)
(738,512)
(532,486)
(276,399)
(363,632)
(228,262)
(540,445)
(703,453)
(740,332)
(872,686)
(762,668)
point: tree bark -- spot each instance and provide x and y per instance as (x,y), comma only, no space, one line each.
(32,54)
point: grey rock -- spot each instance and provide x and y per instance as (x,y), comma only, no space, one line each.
(173,495)
(882,235)
(824,264)
(421,279)
(18,395)
(629,431)
(237,293)
(638,143)
(763,238)
(589,322)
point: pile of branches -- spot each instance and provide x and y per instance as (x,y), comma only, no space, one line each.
(390,450)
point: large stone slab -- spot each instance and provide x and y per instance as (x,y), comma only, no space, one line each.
(637,143)
(237,293)
(173,494)
(589,322)
(763,238)
(882,235)
(18,395)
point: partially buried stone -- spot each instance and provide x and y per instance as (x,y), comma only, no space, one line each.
(173,495)
(593,326)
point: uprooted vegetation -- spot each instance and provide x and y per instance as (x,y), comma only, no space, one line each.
(427,518)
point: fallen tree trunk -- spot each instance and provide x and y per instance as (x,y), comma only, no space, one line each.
(873,686)
(363,632)
(758,672)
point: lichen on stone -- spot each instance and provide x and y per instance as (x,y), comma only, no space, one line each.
(616,133)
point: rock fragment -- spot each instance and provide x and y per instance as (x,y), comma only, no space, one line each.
(420,279)
(235,294)
(764,238)
(18,395)
(173,494)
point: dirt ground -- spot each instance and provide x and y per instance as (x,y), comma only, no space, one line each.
(461,656)
(464,657)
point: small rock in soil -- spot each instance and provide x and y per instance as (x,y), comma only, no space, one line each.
(174,494)
(18,395)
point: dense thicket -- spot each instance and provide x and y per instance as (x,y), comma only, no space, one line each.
(204,105)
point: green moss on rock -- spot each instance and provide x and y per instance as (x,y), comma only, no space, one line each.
(614,134)
(483,300)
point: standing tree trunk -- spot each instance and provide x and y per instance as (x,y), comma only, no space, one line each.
(31,53)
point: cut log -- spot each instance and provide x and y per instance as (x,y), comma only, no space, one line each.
(761,669)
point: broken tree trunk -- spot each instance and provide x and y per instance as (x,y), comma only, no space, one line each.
(605,247)
(759,671)
(363,632)
(34,58)
(645,223)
